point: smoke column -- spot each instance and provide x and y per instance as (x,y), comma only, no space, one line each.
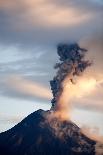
(72,63)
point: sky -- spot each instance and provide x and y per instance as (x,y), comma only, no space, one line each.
(29,33)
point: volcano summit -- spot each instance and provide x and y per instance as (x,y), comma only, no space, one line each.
(36,135)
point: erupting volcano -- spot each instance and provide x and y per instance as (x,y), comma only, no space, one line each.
(72,64)
(52,132)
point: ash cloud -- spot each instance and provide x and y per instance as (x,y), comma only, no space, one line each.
(72,64)
(94,134)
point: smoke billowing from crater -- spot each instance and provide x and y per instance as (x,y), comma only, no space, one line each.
(72,63)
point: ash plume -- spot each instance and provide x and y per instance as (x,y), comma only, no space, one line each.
(72,63)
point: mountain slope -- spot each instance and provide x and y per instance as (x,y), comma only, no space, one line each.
(35,135)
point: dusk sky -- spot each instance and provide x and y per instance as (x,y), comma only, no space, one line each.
(29,33)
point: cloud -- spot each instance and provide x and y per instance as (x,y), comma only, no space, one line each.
(10,119)
(86,93)
(94,44)
(47,11)
(30,88)
(22,87)
(42,22)
(88,96)
(94,134)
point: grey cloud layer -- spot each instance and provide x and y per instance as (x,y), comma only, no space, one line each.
(48,22)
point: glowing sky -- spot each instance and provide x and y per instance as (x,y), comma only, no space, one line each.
(29,33)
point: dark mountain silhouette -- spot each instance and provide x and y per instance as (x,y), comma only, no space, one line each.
(35,135)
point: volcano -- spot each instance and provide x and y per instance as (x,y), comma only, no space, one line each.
(47,132)
(37,135)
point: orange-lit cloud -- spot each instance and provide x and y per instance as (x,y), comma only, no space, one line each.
(94,134)
(27,87)
(45,12)
(72,93)
(83,94)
